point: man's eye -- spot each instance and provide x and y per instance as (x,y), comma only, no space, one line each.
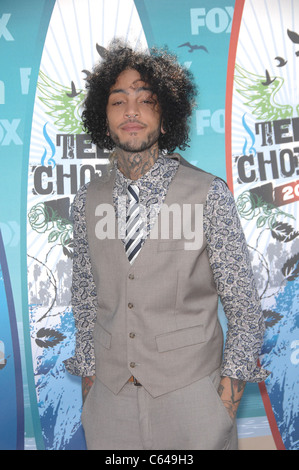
(116,103)
(148,101)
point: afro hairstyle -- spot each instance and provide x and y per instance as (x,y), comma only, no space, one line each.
(173,85)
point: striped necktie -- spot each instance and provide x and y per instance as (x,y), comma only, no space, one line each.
(133,239)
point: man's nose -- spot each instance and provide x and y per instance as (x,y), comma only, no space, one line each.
(131,111)
(131,116)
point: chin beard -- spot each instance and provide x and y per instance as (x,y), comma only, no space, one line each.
(132,147)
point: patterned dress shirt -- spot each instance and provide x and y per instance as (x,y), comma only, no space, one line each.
(229,261)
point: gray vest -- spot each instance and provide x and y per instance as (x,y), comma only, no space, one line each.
(157,319)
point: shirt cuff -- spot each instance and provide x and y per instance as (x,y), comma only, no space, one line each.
(246,373)
(76,366)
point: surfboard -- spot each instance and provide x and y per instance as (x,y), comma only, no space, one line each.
(61,160)
(262,174)
(11,385)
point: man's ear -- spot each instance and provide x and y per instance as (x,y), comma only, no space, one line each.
(163,131)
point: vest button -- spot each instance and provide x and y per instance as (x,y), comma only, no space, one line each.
(130,305)
(132,335)
(131,276)
(132,365)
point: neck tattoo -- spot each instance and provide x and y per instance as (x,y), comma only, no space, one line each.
(134,165)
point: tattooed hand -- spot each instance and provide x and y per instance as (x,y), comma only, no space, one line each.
(231,391)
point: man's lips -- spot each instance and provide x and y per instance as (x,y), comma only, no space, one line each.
(132,127)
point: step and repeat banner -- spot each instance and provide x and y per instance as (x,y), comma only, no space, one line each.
(244,55)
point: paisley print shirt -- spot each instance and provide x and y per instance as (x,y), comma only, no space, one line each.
(229,261)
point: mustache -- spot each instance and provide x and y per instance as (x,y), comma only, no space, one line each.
(132,121)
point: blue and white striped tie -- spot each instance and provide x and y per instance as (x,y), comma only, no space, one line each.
(134,226)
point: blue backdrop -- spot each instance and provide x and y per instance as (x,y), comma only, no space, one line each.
(46,49)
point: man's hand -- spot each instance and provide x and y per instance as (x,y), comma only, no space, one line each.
(87,383)
(231,391)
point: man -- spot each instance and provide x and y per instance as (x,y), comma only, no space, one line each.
(149,344)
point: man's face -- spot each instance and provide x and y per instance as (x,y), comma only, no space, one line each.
(133,113)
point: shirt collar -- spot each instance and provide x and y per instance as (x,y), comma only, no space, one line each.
(156,174)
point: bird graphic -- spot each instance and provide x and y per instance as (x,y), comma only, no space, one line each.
(261,98)
(63,103)
(87,73)
(101,51)
(281,61)
(74,91)
(260,94)
(194,47)
(294,37)
(268,79)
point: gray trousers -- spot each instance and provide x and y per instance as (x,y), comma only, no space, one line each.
(191,418)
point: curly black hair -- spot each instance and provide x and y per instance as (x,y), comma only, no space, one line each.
(172,83)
